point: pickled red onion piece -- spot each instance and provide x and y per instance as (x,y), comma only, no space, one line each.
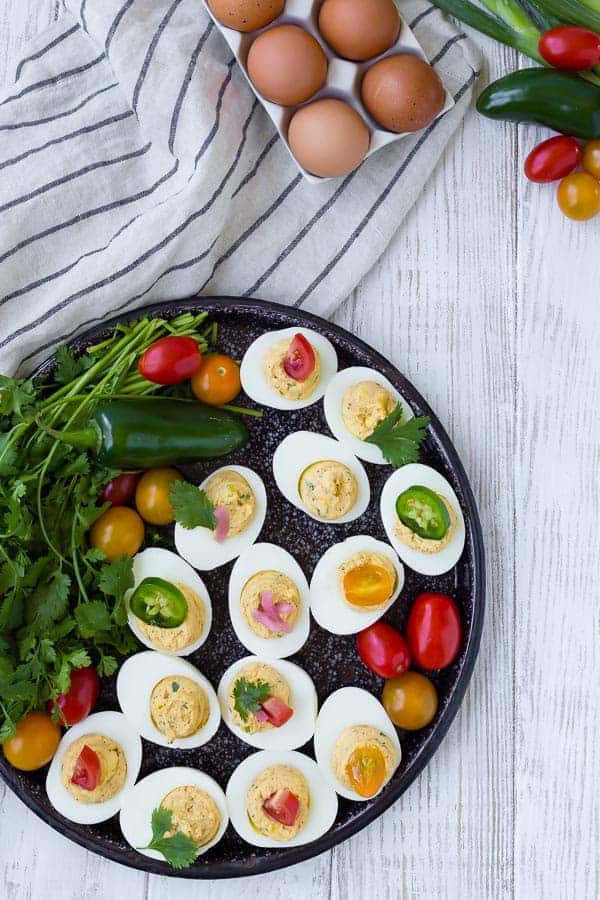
(273,623)
(261,716)
(222,529)
(267,601)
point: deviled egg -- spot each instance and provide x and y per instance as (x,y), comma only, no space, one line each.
(354,583)
(167,700)
(423,519)
(95,765)
(322,477)
(356,401)
(269,601)
(356,744)
(288,369)
(279,797)
(240,501)
(161,579)
(195,800)
(269,704)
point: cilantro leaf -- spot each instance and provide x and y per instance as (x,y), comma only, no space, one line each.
(400,441)
(178,849)
(107,666)
(92,617)
(68,366)
(248,695)
(116,577)
(191,506)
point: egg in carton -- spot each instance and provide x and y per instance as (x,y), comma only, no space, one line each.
(325,92)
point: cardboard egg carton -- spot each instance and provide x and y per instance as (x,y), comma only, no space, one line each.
(344,77)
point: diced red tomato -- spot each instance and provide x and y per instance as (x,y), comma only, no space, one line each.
(300,360)
(282,806)
(277,711)
(171,360)
(86,773)
(570,47)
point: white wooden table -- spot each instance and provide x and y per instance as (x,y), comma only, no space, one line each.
(489,301)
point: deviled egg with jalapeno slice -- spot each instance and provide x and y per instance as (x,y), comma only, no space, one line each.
(423,519)
(322,477)
(269,601)
(269,704)
(280,798)
(288,369)
(239,500)
(356,401)
(167,700)
(169,608)
(95,765)
(356,744)
(354,583)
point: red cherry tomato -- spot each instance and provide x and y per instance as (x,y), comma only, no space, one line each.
(120,490)
(570,47)
(277,711)
(80,699)
(282,806)
(171,360)
(384,650)
(553,159)
(86,773)
(434,630)
(300,361)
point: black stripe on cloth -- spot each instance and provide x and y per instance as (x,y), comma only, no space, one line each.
(13,126)
(185,85)
(453,40)
(55,79)
(67,137)
(44,50)
(82,16)
(209,137)
(250,175)
(421,16)
(151,50)
(116,22)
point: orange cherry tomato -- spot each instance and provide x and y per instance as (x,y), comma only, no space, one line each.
(410,701)
(152,495)
(368,585)
(591,158)
(34,743)
(218,380)
(118,532)
(579,196)
(365,770)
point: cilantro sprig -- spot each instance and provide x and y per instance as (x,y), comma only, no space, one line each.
(248,696)
(191,506)
(178,849)
(400,441)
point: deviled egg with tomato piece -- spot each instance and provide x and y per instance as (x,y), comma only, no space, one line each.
(354,583)
(95,765)
(167,700)
(423,519)
(269,704)
(322,477)
(238,500)
(356,401)
(279,797)
(356,745)
(169,608)
(269,601)
(288,369)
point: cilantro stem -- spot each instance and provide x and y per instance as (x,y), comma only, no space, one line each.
(74,554)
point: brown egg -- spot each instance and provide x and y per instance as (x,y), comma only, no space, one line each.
(246,15)
(287,65)
(402,93)
(359,29)
(328,138)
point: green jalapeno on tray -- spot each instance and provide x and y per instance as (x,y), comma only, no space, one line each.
(158,602)
(424,512)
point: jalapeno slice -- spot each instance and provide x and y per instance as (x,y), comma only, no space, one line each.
(424,512)
(158,602)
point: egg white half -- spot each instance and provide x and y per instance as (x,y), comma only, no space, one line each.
(155,562)
(147,795)
(323,800)
(255,382)
(327,602)
(135,682)
(198,545)
(332,406)
(346,707)
(112,725)
(401,480)
(258,558)
(303,700)
(300,450)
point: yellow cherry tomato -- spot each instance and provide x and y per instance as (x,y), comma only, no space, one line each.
(34,743)
(410,701)
(368,585)
(579,196)
(365,770)
(118,532)
(218,380)
(152,495)
(591,158)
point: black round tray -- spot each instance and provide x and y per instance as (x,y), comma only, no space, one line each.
(331,660)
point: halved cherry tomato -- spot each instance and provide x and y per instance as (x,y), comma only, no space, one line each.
(383,649)
(434,630)
(368,585)
(152,495)
(120,490)
(591,158)
(300,360)
(217,381)
(410,701)
(578,196)
(282,806)
(553,159)
(86,773)
(570,47)
(277,711)
(80,699)
(118,532)
(366,770)
(170,360)
(34,743)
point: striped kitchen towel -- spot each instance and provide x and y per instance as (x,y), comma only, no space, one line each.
(137,166)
